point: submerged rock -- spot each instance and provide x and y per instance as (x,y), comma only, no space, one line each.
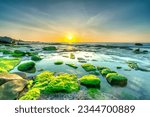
(11,90)
(88,67)
(36,58)
(90,81)
(133,65)
(72,56)
(58,62)
(116,79)
(72,65)
(27,67)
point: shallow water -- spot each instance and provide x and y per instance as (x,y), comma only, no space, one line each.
(138,81)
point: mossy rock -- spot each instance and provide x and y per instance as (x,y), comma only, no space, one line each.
(72,56)
(36,58)
(44,76)
(116,79)
(90,81)
(66,83)
(118,67)
(6,51)
(101,68)
(133,65)
(58,62)
(72,65)
(88,67)
(18,53)
(104,72)
(27,67)
(8,64)
(95,93)
(49,48)
(94,72)
(32,94)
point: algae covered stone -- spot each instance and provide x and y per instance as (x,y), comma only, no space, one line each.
(7,64)
(116,79)
(58,62)
(72,65)
(133,65)
(66,83)
(88,67)
(32,94)
(72,56)
(27,67)
(36,58)
(107,71)
(100,68)
(90,80)
(18,53)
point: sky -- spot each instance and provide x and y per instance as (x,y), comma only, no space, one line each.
(83,20)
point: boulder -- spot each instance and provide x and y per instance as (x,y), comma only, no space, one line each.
(5,77)
(11,89)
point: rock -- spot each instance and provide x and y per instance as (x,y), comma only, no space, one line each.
(118,67)
(18,53)
(72,56)
(138,44)
(116,79)
(21,74)
(49,48)
(72,65)
(8,64)
(90,81)
(133,65)
(5,77)
(104,72)
(58,62)
(88,67)
(27,67)
(11,90)
(36,58)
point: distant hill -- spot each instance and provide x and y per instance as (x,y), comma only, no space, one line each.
(8,40)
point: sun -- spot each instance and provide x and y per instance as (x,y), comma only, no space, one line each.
(70,38)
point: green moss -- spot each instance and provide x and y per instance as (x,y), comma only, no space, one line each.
(63,83)
(118,67)
(133,65)
(29,84)
(107,71)
(8,64)
(6,51)
(94,72)
(49,48)
(32,94)
(90,81)
(36,58)
(18,53)
(101,68)
(27,67)
(88,67)
(94,93)
(72,56)
(72,65)
(116,79)
(44,76)
(58,62)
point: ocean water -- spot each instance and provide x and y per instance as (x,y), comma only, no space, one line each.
(99,54)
